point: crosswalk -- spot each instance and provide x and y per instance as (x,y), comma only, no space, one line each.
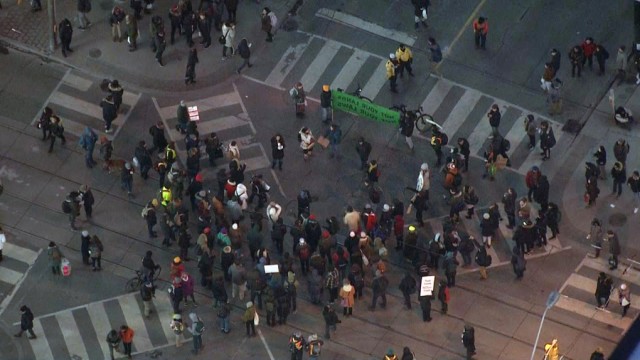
(17,260)
(459,109)
(76,100)
(577,293)
(80,332)
(224,114)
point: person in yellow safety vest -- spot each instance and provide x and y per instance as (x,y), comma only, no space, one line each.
(390,355)
(391,66)
(170,154)
(551,351)
(296,346)
(405,58)
(166,196)
(178,328)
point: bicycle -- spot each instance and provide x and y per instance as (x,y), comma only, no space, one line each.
(135,283)
(423,121)
(358,93)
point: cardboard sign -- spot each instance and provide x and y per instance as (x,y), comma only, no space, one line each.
(271,269)
(426,285)
(194,114)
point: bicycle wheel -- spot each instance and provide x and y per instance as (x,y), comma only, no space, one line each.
(132,285)
(156,274)
(366,99)
(424,123)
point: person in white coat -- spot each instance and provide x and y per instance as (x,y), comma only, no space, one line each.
(273,212)
(229,33)
(423,178)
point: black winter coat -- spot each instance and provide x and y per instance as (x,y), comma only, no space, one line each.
(243,49)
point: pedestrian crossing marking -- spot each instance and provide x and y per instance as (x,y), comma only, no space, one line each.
(101,325)
(79,105)
(40,345)
(481,132)
(162,305)
(601,265)
(579,281)
(219,124)
(286,64)
(71,335)
(10,276)
(376,81)
(20,253)
(133,317)
(77,82)
(460,111)
(317,66)
(435,97)
(517,134)
(349,70)
(589,311)
(534,157)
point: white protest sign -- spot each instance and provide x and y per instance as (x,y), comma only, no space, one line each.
(426,285)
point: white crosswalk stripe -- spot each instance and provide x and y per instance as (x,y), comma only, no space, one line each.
(461,116)
(47,345)
(228,127)
(12,275)
(577,293)
(76,100)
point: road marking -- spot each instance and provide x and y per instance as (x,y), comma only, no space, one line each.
(460,112)
(46,103)
(350,70)
(10,276)
(77,82)
(71,335)
(206,104)
(264,342)
(376,81)
(101,325)
(319,64)
(464,28)
(40,345)
(20,253)
(286,63)
(356,22)
(5,302)
(435,97)
(134,320)
(75,104)
(589,311)
(162,305)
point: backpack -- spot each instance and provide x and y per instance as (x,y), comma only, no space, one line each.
(199,327)
(506,144)
(66,207)
(314,349)
(444,139)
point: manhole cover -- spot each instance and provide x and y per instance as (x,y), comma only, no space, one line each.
(95,53)
(617,219)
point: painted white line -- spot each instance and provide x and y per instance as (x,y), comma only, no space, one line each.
(517,134)
(376,81)
(46,103)
(20,253)
(482,130)
(76,104)
(101,324)
(40,345)
(214,125)
(459,113)
(133,317)
(589,311)
(435,97)
(162,306)
(10,276)
(319,64)
(534,157)
(356,22)
(125,117)
(350,70)
(245,114)
(7,300)
(465,28)
(266,346)
(77,82)
(71,335)
(286,63)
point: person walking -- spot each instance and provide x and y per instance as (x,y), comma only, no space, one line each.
(229,34)
(65,31)
(601,161)
(494,117)
(190,74)
(269,22)
(614,249)
(88,141)
(26,322)
(363,148)
(621,150)
(390,355)
(621,64)
(56,131)
(330,320)
(126,334)
(483,260)
(634,184)
(391,67)
(95,250)
(55,258)
(113,342)
(147,293)
(465,151)
(597,354)
(277,151)
(249,318)
(554,97)
(624,297)
(126,179)
(405,59)
(132,32)
(379,287)
(480,30)
(435,55)
(332,283)
(325,104)
(469,340)
(3,240)
(555,60)
(109,112)
(547,77)
(297,345)
(204,27)
(314,346)
(406,129)
(307,141)
(347,296)
(244,50)
(161,44)
(85,240)
(407,287)
(334,135)
(576,56)
(232,7)
(196,329)
(421,12)
(547,139)
(115,21)
(443,296)
(604,285)
(84,7)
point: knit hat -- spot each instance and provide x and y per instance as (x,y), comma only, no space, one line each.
(424,167)
(392,56)
(301,241)
(386,207)
(325,87)
(486,216)
(199,177)
(226,249)
(249,304)
(85,233)
(234,226)
(177,260)
(352,233)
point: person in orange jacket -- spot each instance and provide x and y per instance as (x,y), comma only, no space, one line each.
(126,334)
(480,30)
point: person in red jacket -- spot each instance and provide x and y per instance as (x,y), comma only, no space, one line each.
(531,179)
(588,50)
(398,231)
(126,334)
(480,30)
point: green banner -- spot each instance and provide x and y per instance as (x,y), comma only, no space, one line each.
(355,105)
